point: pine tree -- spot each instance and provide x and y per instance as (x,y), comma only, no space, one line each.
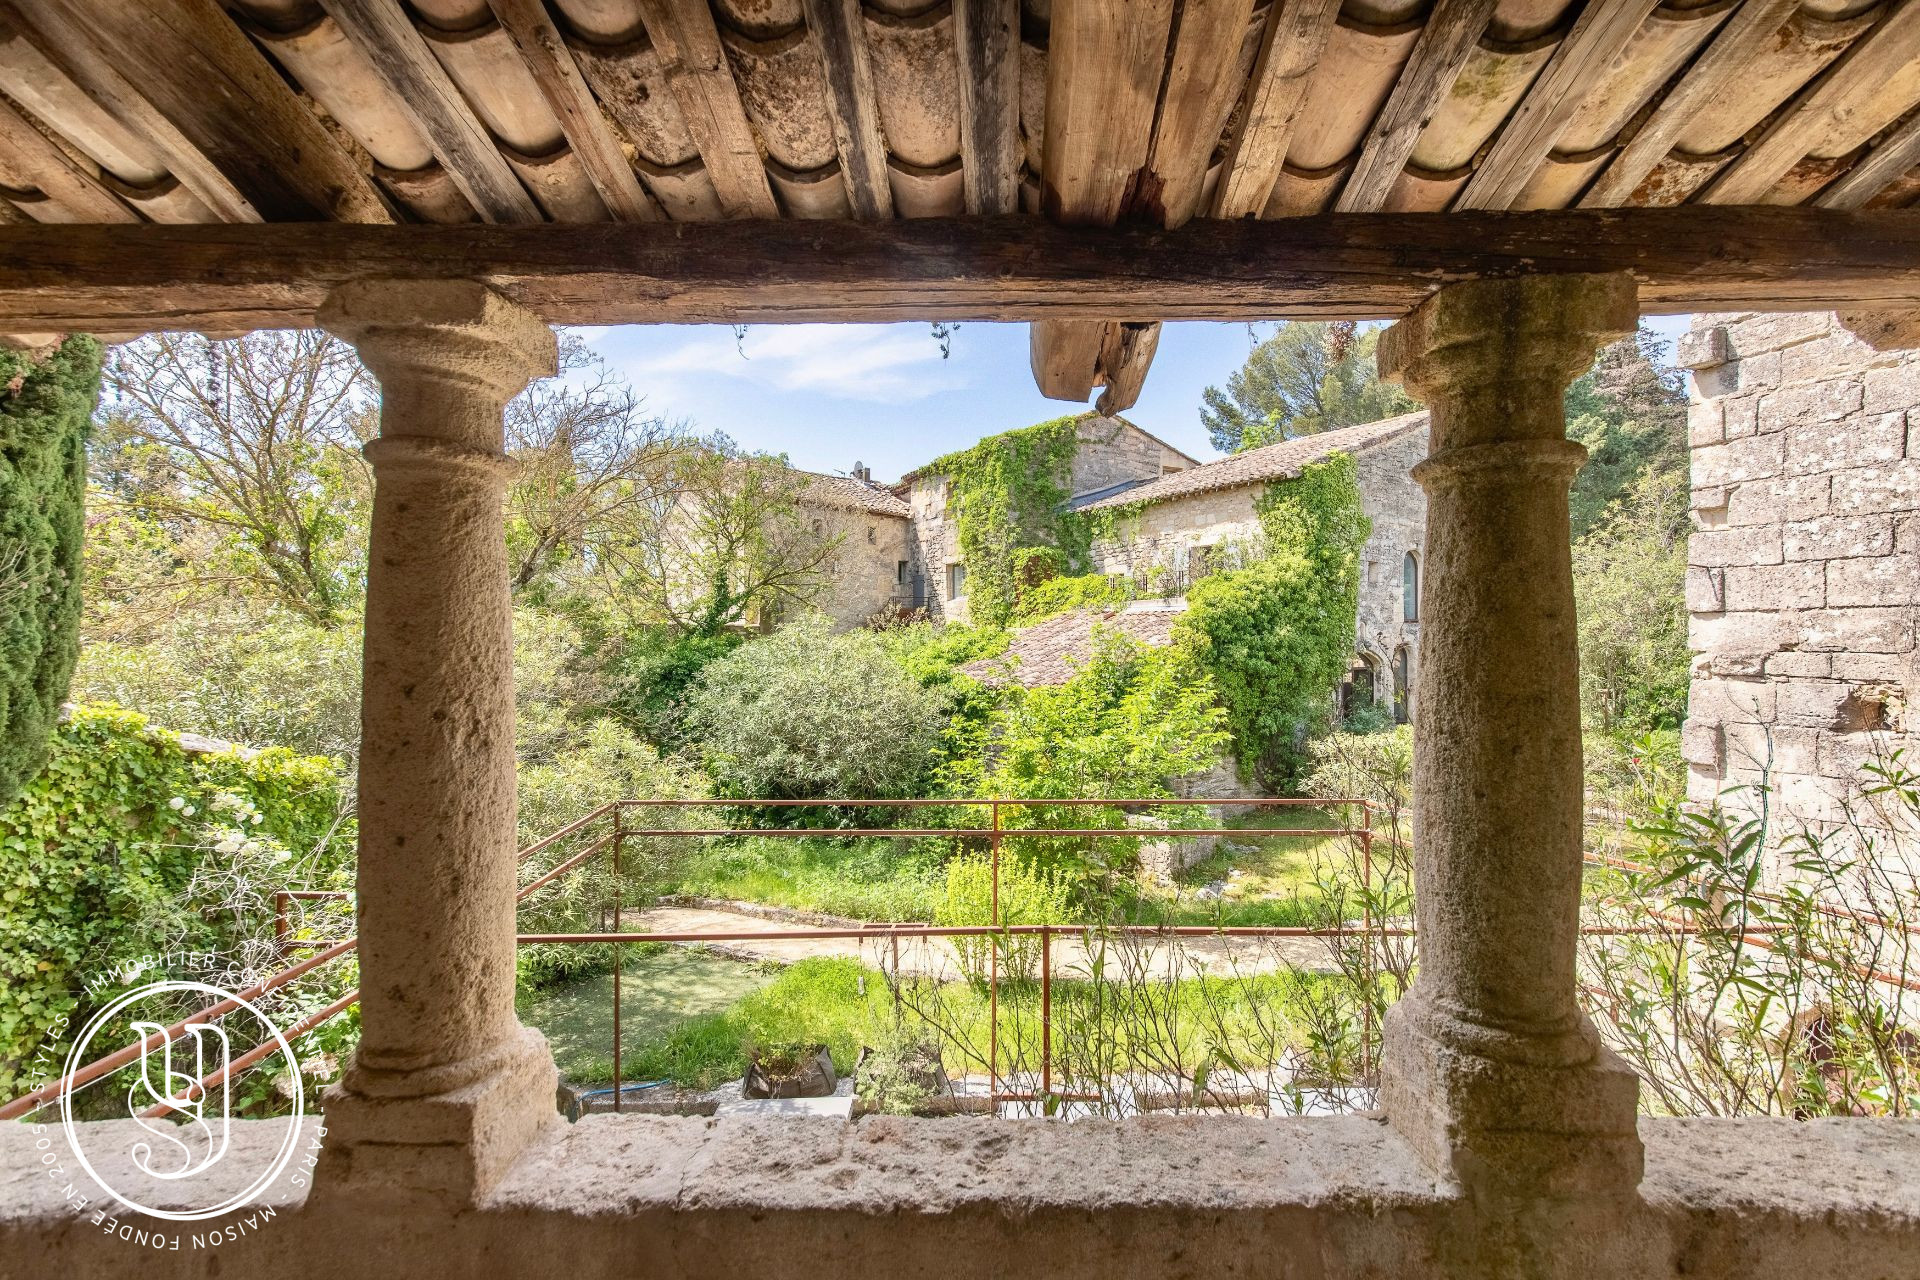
(45,407)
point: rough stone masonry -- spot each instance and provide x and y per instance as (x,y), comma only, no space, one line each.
(1803,579)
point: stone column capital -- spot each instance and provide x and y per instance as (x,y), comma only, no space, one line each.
(1490,334)
(458,331)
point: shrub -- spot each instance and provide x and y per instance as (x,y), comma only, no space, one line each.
(44,410)
(804,713)
(1028,895)
(1057,595)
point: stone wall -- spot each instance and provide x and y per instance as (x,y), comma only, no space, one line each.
(1804,566)
(866,569)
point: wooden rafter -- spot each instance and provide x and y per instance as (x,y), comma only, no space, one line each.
(1897,153)
(1750,28)
(1193,108)
(838,29)
(56,173)
(1294,39)
(387,37)
(1445,44)
(565,89)
(987,44)
(1328,266)
(688,45)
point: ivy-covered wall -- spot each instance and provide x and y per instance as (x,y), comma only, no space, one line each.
(44,410)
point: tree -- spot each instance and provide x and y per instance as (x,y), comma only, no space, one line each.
(1310,376)
(1629,584)
(44,408)
(234,468)
(1630,411)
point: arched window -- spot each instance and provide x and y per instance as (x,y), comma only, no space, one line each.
(1410,588)
(1402,684)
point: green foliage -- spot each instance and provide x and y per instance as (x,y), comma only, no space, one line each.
(44,409)
(1007,495)
(1630,411)
(804,713)
(933,653)
(98,854)
(1629,583)
(1057,595)
(1363,766)
(875,878)
(1028,895)
(1309,376)
(1277,636)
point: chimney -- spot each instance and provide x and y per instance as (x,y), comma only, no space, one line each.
(861,471)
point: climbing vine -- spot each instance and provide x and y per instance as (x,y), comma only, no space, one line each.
(1007,496)
(1278,635)
(44,410)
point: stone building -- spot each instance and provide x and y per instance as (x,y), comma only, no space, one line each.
(1803,579)
(1174,529)
(1113,454)
(871,523)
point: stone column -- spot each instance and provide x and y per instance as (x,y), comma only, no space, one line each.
(1489,1068)
(446,1086)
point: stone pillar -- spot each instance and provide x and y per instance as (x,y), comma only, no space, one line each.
(1489,1068)
(446,1086)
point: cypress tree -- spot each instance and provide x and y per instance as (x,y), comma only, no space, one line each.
(45,407)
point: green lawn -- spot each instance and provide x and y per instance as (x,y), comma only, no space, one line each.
(1269,879)
(875,878)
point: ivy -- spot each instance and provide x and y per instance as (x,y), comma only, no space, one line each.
(105,840)
(1057,595)
(1277,636)
(44,410)
(1008,496)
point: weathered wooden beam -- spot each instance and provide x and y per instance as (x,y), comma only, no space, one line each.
(220,92)
(55,172)
(687,43)
(386,35)
(1194,105)
(1328,266)
(1126,353)
(987,45)
(1446,42)
(1555,97)
(1751,27)
(1898,152)
(1065,357)
(1104,63)
(1822,109)
(1290,48)
(533,33)
(840,33)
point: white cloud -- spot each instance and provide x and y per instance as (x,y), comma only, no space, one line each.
(875,362)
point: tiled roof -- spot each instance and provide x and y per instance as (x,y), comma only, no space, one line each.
(1048,653)
(849,494)
(927,468)
(1281,461)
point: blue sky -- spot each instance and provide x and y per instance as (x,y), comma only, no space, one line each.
(831,395)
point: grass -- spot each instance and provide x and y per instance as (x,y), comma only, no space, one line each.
(875,878)
(1269,879)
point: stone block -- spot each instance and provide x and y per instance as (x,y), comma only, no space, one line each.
(1755,544)
(1856,441)
(1742,665)
(1809,403)
(1783,586)
(1906,533)
(1813,703)
(1754,458)
(1808,799)
(1732,632)
(1708,499)
(1769,501)
(1892,487)
(1888,667)
(1756,373)
(1753,751)
(1776,330)
(1706,423)
(1838,537)
(1706,590)
(1792,662)
(1724,701)
(1700,744)
(1702,348)
(1892,390)
(1845,756)
(1873,580)
(1858,631)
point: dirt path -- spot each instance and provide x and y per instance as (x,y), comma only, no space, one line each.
(935,957)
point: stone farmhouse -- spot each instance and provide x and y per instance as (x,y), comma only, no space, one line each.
(1177,519)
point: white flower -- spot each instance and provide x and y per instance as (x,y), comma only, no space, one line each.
(176,803)
(257,818)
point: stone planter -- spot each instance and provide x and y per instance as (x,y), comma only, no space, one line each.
(808,1074)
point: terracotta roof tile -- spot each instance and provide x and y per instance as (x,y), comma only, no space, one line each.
(1050,652)
(849,494)
(1281,461)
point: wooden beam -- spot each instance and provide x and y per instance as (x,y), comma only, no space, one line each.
(1194,104)
(565,89)
(987,44)
(1748,31)
(1822,109)
(386,35)
(50,28)
(1290,48)
(1898,152)
(688,45)
(1446,42)
(840,33)
(56,173)
(1104,62)
(220,92)
(1555,97)
(1328,266)
(1126,353)
(1065,357)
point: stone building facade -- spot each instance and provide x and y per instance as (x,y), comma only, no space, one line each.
(1114,454)
(1803,579)
(1171,531)
(870,521)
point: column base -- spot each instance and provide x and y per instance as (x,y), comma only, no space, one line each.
(1505,1115)
(453,1145)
